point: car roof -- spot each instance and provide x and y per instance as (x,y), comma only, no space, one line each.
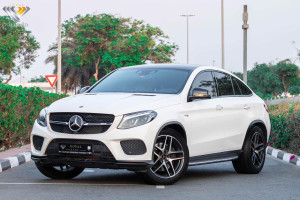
(165,66)
(188,67)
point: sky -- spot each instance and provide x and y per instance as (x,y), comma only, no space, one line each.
(273,26)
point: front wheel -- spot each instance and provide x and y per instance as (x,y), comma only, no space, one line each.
(59,172)
(252,159)
(170,156)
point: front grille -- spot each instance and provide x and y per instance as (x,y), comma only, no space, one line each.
(37,142)
(100,150)
(133,147)
(87,117)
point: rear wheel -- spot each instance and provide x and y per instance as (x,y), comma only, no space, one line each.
(59,172)
(252,159)
(170,158)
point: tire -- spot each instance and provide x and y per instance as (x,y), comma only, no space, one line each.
(60,172)
(170,164)
(252,159)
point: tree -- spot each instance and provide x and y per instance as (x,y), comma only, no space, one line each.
(71,76)
(17,47)
(294,89)
(263,79)
(288,73)
(102,43)
(38,79)
(269,80)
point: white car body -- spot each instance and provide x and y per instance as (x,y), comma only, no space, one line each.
(211,126)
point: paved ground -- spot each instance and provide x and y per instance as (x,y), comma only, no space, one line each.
(14,151)
(278,180)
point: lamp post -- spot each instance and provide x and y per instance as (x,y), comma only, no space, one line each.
(187,36)
(59,50)
(245,27)
(222,37)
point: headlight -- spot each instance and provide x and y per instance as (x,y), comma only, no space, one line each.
(137,119)
(42,119)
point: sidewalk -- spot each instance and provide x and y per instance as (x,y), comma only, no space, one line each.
(14,151)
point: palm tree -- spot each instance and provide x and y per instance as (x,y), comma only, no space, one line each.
(72,76)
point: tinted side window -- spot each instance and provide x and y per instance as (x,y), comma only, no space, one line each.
(224,84)
(205,80)
(244,89)
(237,89)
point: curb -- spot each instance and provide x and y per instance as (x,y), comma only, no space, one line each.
(287,157)
(14,161)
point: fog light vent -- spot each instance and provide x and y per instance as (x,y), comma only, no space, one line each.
(38,142)
(133,147)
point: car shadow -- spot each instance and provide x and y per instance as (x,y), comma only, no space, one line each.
(205,173)
(124,177)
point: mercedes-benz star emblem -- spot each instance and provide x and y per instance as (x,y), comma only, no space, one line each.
(75,123)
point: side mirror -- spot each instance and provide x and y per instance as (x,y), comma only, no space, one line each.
(199,93)
(84,89)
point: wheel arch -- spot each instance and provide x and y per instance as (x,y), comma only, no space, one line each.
(261,125)
(177,126)
(173,125)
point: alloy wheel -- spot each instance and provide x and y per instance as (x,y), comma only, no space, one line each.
(257,149)
(168,157)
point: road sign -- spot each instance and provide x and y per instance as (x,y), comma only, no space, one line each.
(51,79)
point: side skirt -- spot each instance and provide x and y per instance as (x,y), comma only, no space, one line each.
(214,158)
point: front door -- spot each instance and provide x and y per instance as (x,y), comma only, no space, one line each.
(206,132)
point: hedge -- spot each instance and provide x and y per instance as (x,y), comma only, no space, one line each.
(285,131)
(19,107)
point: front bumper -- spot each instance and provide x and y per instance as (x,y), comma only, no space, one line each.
(112,139)
(90,162)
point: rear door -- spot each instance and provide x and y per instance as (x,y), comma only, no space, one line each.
(243,107)
(231,112)
(236,109)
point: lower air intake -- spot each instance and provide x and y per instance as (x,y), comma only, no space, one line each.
(37,142)
(133,147)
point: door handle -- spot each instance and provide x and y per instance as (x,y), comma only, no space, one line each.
(246,107)
(219,107)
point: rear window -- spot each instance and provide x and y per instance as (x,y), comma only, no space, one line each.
(236,87)
(224,84)
(242,88)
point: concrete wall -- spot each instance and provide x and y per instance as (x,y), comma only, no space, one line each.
(284,100)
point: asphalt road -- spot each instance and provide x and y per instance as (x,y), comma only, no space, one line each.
(278,180)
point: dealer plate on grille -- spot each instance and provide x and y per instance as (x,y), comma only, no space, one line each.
(75,148)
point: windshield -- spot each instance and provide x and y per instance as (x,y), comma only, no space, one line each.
(147,80)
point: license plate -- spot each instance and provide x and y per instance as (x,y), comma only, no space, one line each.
(75,148)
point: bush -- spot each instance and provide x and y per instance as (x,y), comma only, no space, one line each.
(285,122)
(19,107)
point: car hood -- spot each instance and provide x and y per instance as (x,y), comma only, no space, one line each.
(113,103)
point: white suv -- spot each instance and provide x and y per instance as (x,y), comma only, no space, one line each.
(155,120)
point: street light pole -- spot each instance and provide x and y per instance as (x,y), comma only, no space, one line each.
(245,27)
(222,27)
(187,36)
(59,50)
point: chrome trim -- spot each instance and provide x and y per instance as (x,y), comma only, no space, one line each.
(213,161)
(58,122)
(85,123)
(96,124)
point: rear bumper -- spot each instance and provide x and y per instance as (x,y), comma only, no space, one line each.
(92,163)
